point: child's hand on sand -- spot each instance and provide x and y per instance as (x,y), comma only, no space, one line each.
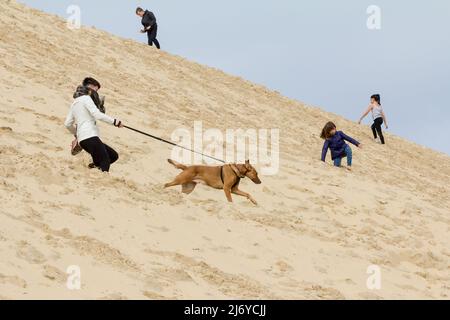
(360,146)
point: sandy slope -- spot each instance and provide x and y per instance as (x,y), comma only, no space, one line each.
(313,235)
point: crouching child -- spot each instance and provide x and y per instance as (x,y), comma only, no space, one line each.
(335,141)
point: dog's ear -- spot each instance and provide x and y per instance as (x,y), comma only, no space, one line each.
(247,161)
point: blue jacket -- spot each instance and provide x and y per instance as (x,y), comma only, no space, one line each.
(337,145)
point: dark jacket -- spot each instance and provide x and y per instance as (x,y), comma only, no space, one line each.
(149,19)
(337,145)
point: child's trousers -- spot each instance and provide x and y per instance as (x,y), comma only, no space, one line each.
(348,151)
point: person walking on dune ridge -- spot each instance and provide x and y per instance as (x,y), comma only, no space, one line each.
(150,26)
(378,117)
(335,141)
(81,121)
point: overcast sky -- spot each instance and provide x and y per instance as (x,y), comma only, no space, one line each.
(319,52)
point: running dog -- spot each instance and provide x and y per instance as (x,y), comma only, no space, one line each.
(226,177)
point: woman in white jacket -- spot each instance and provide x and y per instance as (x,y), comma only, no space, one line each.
(81,121)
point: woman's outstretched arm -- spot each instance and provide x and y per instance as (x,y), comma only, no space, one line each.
(365,113)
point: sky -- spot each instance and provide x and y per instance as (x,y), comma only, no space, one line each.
(320,52)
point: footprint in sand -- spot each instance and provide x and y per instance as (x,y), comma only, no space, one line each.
(283,266)
(12,280)
(6,130)
(299,188)
(175,274)
(47,176)
(268,191)
(9,120)
(54,274)
(38,99)
(27,252)
(154,296)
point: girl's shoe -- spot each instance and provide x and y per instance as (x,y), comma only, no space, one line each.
(92,166)
(76,148)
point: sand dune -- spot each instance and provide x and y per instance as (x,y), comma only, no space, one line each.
(314,234)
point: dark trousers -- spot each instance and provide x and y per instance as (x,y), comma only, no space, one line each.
(102,155)
(152,34)
(376,129)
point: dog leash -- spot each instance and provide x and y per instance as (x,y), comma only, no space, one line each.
(171,143)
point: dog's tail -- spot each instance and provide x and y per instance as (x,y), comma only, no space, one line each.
(177,165)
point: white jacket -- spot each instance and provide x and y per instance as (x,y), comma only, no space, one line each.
(84,113)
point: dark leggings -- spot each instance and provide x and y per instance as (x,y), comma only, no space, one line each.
(376,128)
(102,155)
(151,34)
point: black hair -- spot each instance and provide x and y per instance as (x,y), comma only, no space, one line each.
(91,81)
(377,98)
(139,9)
(327,129)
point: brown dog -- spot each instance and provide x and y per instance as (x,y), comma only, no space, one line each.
(226,177)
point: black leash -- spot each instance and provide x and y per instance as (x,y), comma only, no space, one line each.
(171,143)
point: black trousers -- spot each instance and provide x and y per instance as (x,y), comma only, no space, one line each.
(102,155)
(376,129)
(152,34)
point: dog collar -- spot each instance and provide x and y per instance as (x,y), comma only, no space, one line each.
(237,172)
